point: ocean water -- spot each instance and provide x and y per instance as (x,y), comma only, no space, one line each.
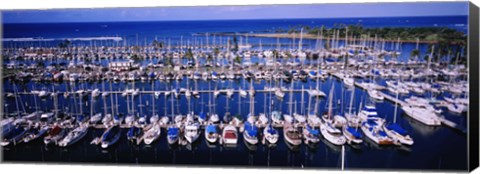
(435,148)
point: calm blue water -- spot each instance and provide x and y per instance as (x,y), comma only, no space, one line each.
(435,147)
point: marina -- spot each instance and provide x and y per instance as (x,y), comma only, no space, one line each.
(330,101)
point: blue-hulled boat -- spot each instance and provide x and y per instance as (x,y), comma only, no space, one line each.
(14,136)
(134,134)
(111,136)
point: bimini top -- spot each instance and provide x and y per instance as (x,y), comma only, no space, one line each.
(172,131)
(397,128)
(211,129)
(354,132)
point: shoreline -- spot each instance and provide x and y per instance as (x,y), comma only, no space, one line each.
(311,36)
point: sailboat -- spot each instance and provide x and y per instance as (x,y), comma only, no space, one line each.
(173,130)
(329,132)
(211,133)
(374,132)
(14,136)
(35,132)
(54,135)
(396,132)
(250,134)
(270,134)
(151,134)
(74,136)
(191,129)
(135,134)
(110,136)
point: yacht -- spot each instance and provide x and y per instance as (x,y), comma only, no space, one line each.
(424,116)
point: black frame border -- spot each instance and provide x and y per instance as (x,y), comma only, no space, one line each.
(473,56)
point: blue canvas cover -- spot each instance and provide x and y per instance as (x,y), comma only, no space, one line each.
(382,133)
(354,132)
(172,131)
(251,129)
(202,115)
(211,129)
(397,128)
(271,130)
(312,131)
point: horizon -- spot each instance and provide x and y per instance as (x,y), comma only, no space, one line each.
(253,12)
(188,20)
